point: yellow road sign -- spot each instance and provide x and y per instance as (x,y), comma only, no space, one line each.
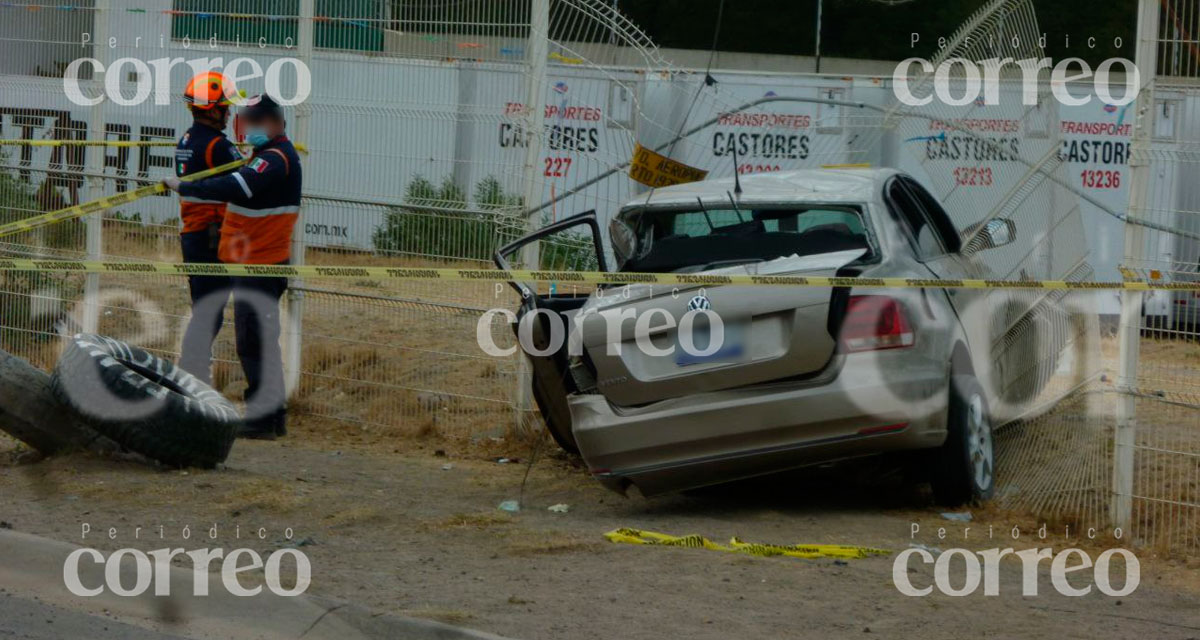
(656,170)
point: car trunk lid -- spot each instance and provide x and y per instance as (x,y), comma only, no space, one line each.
(769,333)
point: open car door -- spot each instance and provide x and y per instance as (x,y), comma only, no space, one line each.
(571,244)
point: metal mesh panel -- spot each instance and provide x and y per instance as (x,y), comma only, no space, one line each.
(1058,465)
(403,367)
(366,200)
(1179,39)
(1166,485)
(40,38)
(1156,478)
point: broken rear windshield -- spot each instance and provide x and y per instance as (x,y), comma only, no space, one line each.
(699,239)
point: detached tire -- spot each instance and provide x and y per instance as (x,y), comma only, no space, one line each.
(964,467)
(144,403)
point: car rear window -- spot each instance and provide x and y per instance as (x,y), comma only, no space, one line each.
(695,239)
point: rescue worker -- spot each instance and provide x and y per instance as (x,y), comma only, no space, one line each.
(204,146)
(263,205)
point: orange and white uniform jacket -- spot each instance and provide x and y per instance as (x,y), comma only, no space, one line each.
(263,204)
(201,148)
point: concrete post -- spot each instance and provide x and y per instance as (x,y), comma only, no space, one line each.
(94,223)
(1129,329)
(293,345)
(535,105)
(537,50)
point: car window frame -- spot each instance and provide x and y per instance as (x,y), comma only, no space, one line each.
(898,214)
(939,218)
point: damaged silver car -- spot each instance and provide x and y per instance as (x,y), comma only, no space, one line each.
(802,375)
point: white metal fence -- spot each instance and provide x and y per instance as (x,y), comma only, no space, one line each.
(1157,479)
(422,150)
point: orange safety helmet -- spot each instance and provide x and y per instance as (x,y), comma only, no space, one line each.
(208,90)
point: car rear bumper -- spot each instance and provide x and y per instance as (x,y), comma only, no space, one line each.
(867,403)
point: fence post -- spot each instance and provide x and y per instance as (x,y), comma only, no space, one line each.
(94,223)
(1129,329)
(293,349)
(537,51)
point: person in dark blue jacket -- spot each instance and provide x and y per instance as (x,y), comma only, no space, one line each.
(263,204)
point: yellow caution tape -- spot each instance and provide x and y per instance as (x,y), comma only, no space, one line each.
(564,278)
(110,143)
(86,143)
(564,59)
(849,165)
(637,536)
(80,210)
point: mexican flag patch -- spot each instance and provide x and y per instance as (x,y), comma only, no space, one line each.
(259,165)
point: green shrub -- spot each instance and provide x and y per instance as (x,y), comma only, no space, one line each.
(22,318)
(568,251)
(17,201)
(437,221)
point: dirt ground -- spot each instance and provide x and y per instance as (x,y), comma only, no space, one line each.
(388,526)
(416,531)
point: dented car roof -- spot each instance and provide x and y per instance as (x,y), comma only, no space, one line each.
(825,185)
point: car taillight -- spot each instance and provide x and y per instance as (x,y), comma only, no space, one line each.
(875,322)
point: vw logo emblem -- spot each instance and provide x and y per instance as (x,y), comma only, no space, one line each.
(699,303)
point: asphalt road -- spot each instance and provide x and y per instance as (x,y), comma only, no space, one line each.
(33,620)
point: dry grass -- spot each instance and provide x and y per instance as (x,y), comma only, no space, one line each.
(388,373)
(260,493)
(157,242)
(1057,469)
(229,492)
(401,372)
(391,376)
(477,521)
(536,543)
(354,516)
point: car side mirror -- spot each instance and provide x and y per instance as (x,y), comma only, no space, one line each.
(999,232)
(623,240)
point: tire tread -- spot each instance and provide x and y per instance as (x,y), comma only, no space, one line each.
(175,433)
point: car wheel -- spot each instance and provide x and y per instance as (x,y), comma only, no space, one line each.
(965,467)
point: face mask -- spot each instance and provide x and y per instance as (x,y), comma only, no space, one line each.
(257,137)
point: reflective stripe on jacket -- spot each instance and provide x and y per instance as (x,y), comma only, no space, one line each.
(263,204)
